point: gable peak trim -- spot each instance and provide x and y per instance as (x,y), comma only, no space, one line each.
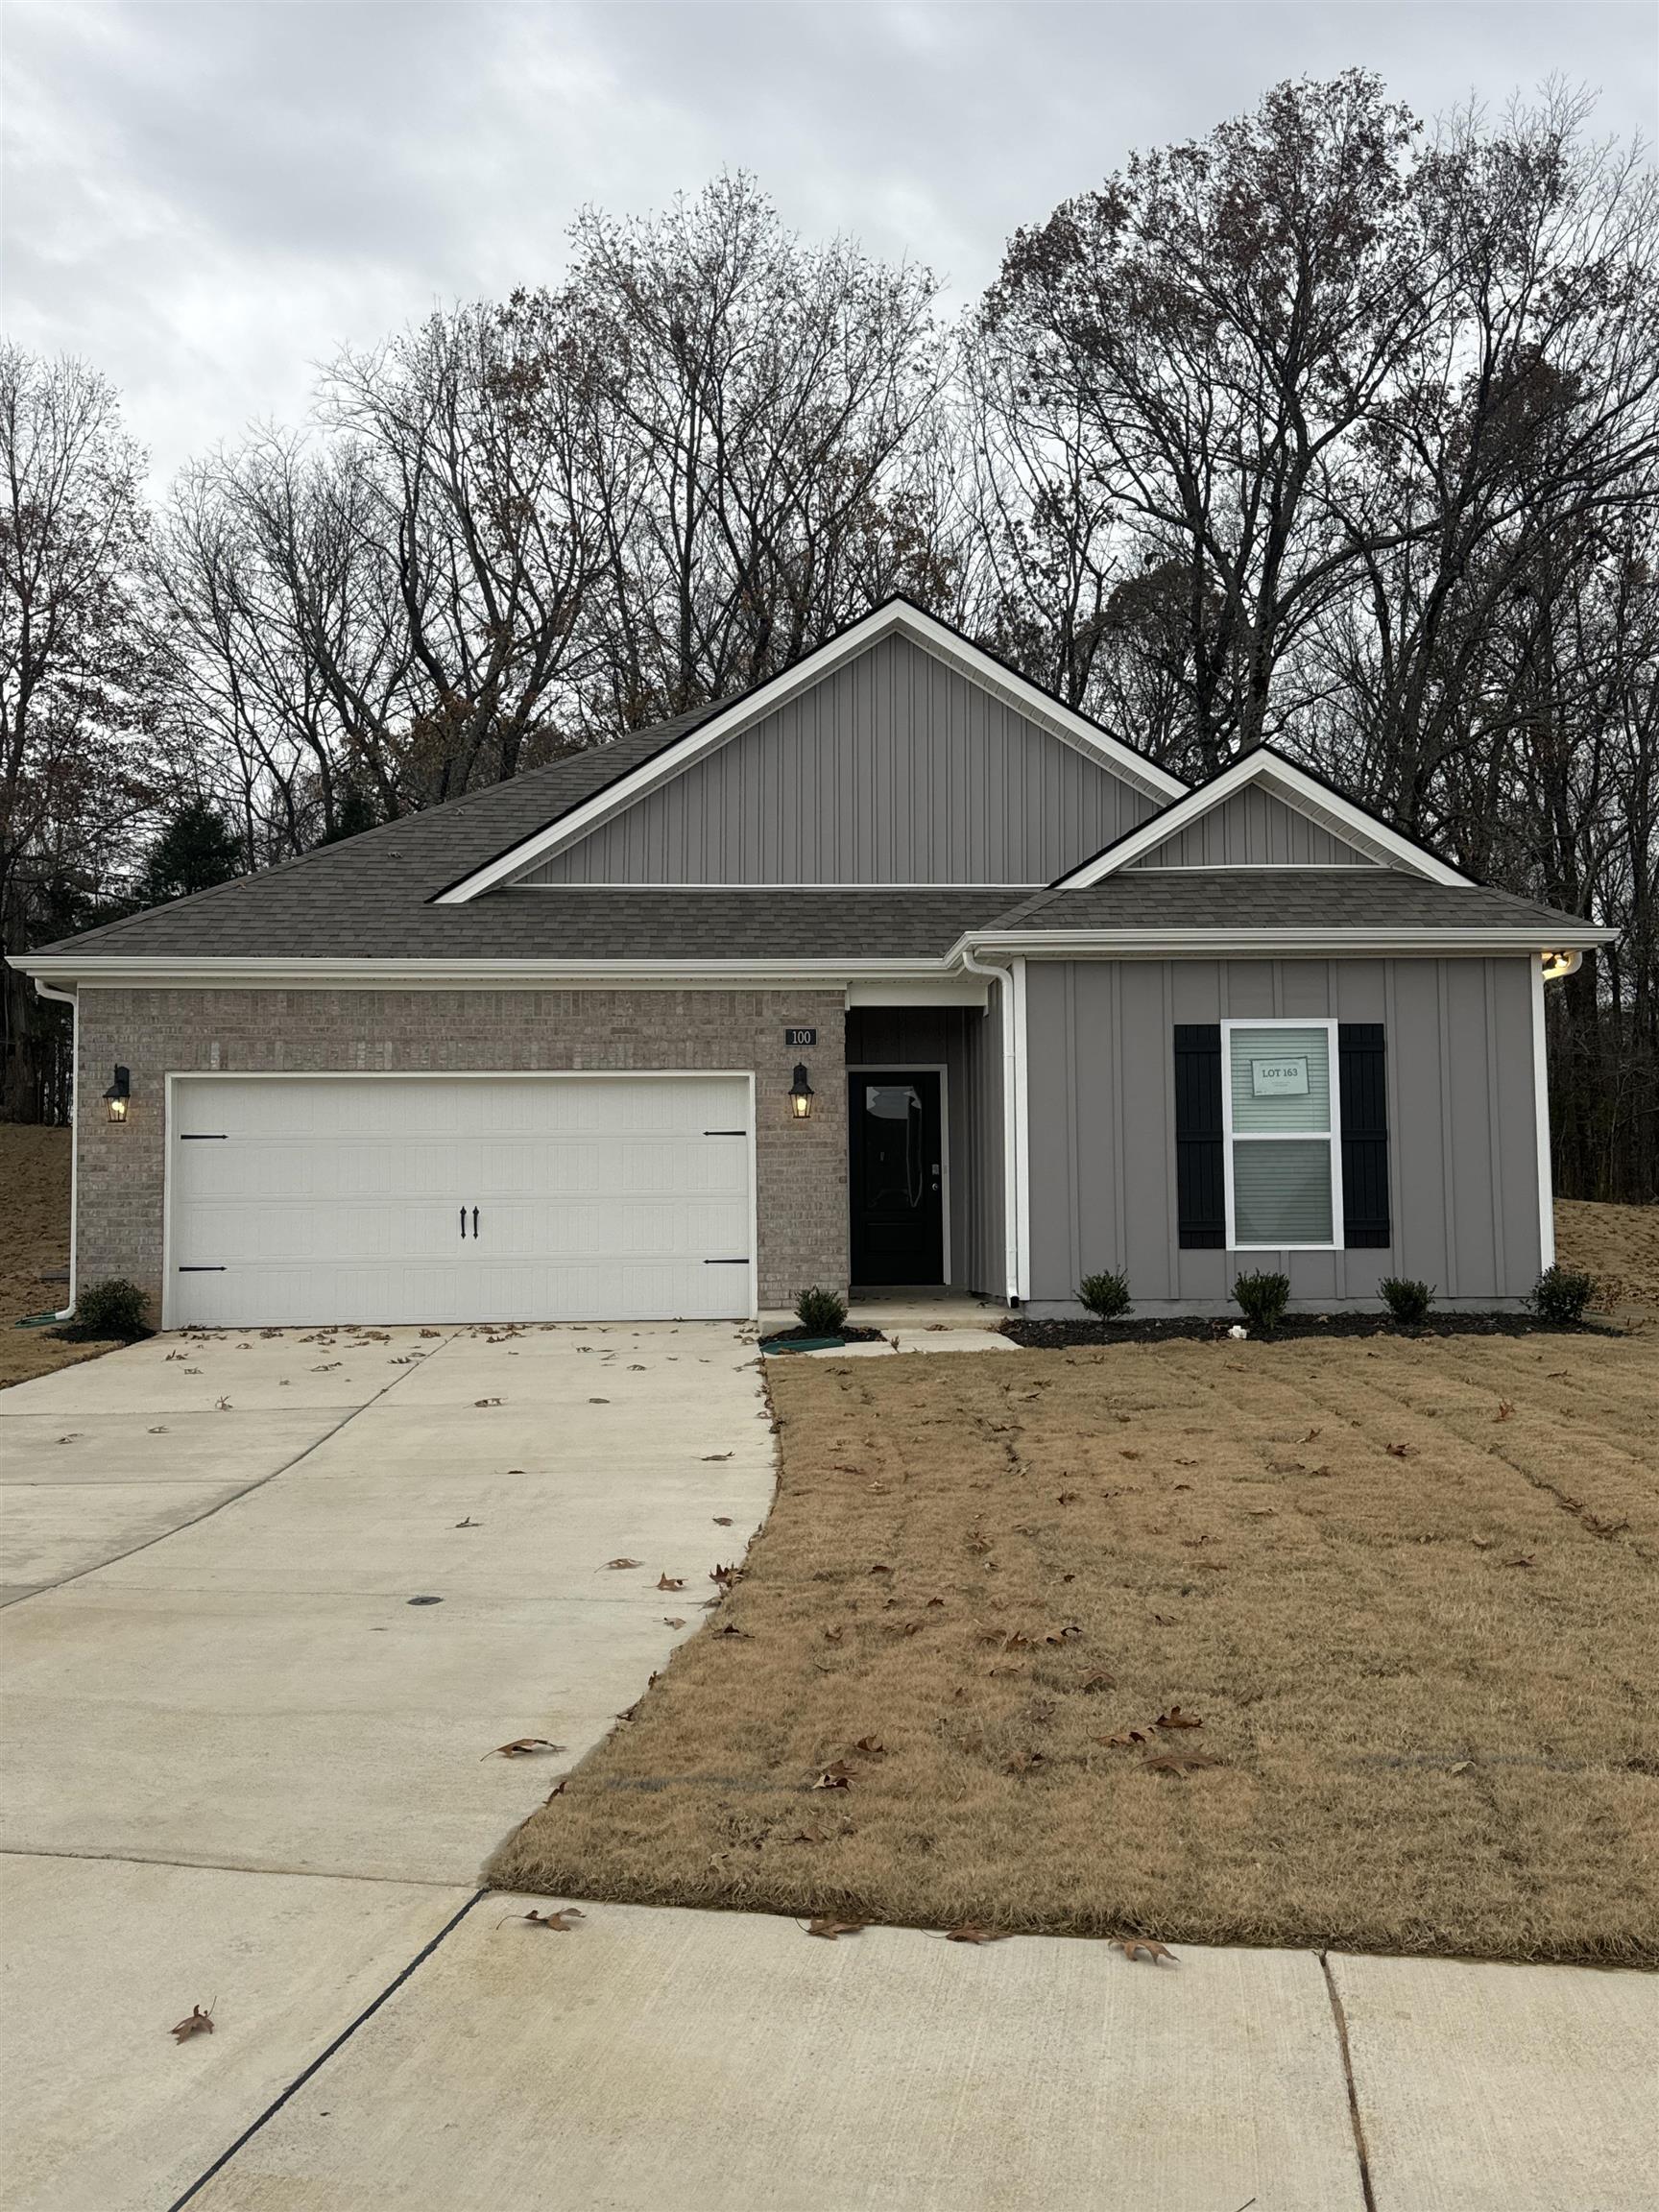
(1298,788)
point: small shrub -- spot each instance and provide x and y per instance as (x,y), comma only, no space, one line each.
(111,1309)
(1561,1294)
(1261,1299)
(1106,1295)
(1407,1300)
(821,1312)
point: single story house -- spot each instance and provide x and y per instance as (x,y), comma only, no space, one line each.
(893,971)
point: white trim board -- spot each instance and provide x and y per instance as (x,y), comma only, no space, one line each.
(281,971)
(1284,781)
(897,618)
(1541,1123)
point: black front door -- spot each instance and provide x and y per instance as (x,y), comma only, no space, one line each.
(896,1180)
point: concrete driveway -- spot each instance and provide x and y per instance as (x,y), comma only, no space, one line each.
(242,1762)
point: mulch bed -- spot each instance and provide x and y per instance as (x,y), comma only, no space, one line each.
(1062,1335)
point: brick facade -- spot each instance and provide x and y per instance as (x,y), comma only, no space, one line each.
(801,1168)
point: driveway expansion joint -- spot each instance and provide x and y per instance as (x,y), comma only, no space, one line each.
(1339,2020)
(322,2056)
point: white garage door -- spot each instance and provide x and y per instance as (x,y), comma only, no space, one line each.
(492,1198)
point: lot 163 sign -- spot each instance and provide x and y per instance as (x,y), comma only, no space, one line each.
(1279,1078)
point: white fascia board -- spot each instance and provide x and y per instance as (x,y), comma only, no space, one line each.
(1284,781)
(1320,944)
(903,620)
(277,974)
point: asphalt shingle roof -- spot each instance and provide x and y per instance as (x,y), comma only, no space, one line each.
(1334,899)
(372,897)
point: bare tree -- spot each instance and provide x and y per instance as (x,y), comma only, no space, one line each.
(74,678)
(757,401)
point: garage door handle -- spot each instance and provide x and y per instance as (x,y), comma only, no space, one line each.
(463,1224)
(474,1224)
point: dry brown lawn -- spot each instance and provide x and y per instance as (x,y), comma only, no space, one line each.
(1618,1244)
(1407,1588)
(35,1180)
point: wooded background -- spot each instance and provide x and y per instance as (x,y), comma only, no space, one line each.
(1330,430)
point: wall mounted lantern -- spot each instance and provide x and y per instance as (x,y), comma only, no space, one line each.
(800,1094)
(119,1094)
(1558,964)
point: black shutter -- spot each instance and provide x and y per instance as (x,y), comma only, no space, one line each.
(1364,1092)
(1200,1187)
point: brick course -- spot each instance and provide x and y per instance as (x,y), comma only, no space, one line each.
(801,1168)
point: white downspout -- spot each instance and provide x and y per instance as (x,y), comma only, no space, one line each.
(71,999)
(1013,1175)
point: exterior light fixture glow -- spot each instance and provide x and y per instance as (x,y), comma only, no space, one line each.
(1558,964)
(119,1094)
(800,1094)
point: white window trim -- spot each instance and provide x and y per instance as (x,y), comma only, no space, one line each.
(1283,1136)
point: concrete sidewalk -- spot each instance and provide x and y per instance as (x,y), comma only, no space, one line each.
(713,2062)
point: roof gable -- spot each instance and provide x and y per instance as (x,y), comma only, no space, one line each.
(898,625)
(1257,799)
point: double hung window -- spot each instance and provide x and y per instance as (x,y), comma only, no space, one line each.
(1281,1136)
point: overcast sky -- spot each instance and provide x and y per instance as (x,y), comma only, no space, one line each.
(205,199)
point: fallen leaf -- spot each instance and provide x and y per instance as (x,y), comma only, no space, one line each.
(1398,1451)
(871,1747)
(1504,1410)
(1176,1719)
(1522,1559)
(722,1520)
(968,1933)
(1024,1763)
(194,2023)
(1178,1762)
(830,1928)
(719,1573)
(839,1776)
(878,1569)
(709,1457)
(563,1922)
(833,1635)
(669,1622)
(626,1563)
(468,1522)
(1144,1946)
(731,1629)
(486,1400)
(1311,1433)
(670,1581)
(1124,1737)
(521,1747)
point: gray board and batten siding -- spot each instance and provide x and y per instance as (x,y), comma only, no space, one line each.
(894,769)
(1463,1157)
(1255,830)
